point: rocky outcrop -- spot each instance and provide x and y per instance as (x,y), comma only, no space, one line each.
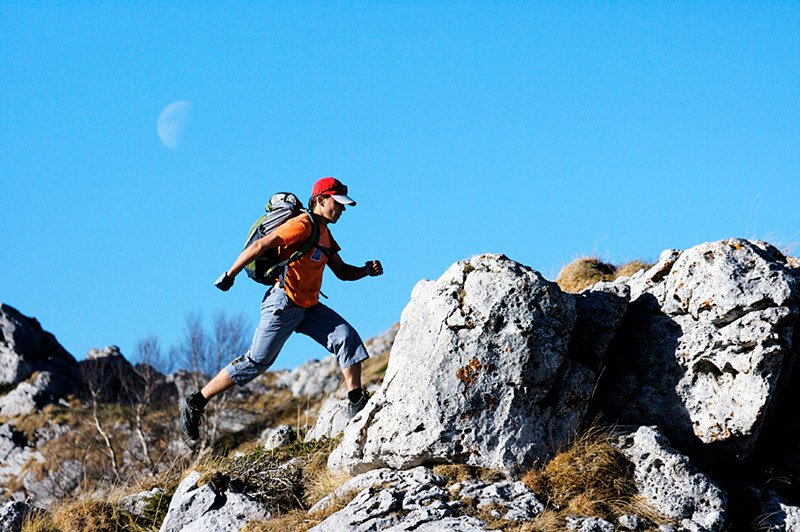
(481,352)
(196,508)
(313,379)
(25,347)
(40,389)
(671,484)
(494,366)
(706,344)
(109,377)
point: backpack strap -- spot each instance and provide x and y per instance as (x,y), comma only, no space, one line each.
(312,242)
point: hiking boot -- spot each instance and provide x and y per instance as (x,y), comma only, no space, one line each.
(190,419)
(355,408)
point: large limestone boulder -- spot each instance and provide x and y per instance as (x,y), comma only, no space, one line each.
(706,345)
(25,347)
(476,374)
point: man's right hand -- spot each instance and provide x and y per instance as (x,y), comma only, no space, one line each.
(224,282)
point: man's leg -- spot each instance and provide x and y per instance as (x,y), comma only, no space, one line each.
(279,317)
(220,383)
(329,329)
(352,376)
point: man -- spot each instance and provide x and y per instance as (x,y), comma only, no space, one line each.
(293,304)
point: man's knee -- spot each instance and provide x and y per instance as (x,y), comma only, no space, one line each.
(351,351)
(244,369)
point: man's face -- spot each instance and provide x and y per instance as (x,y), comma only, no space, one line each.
(330,209)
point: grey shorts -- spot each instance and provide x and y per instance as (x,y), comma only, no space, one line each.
(280,316)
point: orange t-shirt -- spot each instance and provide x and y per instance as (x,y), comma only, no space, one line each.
(304,276)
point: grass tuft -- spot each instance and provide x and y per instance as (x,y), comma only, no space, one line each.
(629,268)
(83,515)
(584,272)
(587,271)
(591,478)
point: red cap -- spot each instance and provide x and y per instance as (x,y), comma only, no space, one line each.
(329,186)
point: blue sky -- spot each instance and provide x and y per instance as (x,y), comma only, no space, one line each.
(545,131)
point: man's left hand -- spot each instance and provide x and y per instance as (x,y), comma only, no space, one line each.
(374,268)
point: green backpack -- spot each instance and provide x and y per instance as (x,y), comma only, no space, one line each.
(268,267)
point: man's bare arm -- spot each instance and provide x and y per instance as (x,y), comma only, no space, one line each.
(348,272)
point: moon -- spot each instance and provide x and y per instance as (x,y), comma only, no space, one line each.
(172,122)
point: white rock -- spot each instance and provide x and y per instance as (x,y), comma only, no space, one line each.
(628,522)
(408,481)
(519,502)
(332,419)
(394,500)
(202,509)
(137,502)
(670,483)
(313,379)
(41,389)
(272,438)
(581,523)
(706,344)
(472,375)
(777,514)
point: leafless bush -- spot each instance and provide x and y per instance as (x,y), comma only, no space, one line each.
(204,353)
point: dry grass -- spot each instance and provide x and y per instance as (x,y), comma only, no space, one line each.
(263,475)
(98,508)
(582,273)
(298,520)
(590,478)
(587,271)
(83,515)
(459,472)
(629,268)
(317,482)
